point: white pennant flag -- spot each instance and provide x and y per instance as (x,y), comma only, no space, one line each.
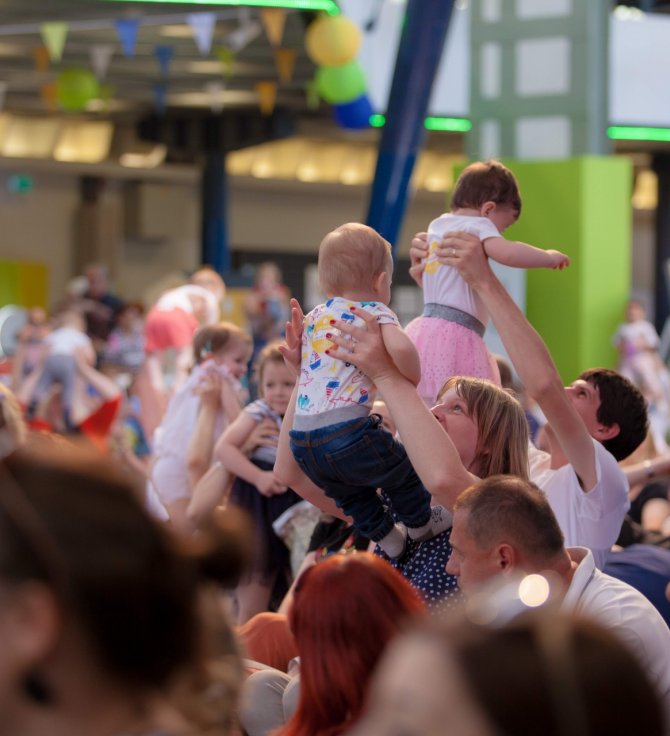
(215,91)
(101,56)
(202,25)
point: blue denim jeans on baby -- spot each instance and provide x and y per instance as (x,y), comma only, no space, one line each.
(350,461)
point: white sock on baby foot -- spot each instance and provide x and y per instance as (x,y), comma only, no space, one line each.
(394,542)
(440,520)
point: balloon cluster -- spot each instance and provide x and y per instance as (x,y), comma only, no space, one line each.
(332,43)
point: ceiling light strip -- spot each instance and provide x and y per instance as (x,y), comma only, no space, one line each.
(329,6)
(432,122)
(637,133)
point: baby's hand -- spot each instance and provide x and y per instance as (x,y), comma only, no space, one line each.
(268,485)
(558,260)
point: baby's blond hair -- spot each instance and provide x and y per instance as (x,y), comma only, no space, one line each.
(350,257)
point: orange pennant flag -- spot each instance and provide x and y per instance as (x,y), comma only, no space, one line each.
(267,96)
(49,94)
(41,58)
(285,62)
(273,20)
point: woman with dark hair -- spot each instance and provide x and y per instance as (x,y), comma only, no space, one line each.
(544,673)
(345,611)
(107,627)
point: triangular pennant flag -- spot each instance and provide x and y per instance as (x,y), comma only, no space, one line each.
(273,22)
(243,15)
(164,55)
(227,59)
(49,95)
(3,93)
(202,25)
(312,94)
(41,58)
(160,97)
(127,29)
(285,61)
(215,91)
(243,35)
(54,35)
(267,96)
(101,56)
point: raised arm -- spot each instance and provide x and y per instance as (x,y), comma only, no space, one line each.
(428,446)
(402,352)
(528,353)
(521,255)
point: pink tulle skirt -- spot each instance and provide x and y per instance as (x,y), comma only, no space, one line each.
(448,349)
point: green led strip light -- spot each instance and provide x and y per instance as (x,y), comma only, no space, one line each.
(636,133)
(452,125)
(329,6)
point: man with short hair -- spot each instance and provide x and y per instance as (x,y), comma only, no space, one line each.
(504,525)
(596,421)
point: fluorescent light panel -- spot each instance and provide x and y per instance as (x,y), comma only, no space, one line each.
(329,6)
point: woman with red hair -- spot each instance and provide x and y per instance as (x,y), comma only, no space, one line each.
(345,611)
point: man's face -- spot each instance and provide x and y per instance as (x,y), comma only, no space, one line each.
(585,398)
(471,564)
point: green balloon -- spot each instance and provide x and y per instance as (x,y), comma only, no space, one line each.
(75,88)
(340,84)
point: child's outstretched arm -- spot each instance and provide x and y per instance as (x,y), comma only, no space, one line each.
(229,451)
(521,255)
(402,351)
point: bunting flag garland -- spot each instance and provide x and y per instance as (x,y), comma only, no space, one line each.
(273,20)
(160,97)
(243,35)
(215,92)
(285,63)
(267,96)
(202,26)
(49,95)
(227,59)
(127,29)
(41,58)
(101,57)
(164,55)
(53,36)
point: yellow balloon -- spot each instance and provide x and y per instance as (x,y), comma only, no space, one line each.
(332,41)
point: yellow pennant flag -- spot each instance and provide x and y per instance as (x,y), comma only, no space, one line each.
(227,59)
(273,20)
(267,96)
(285,62)
(53,36)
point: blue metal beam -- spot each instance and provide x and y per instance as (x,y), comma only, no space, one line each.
(214,245)
(421,45)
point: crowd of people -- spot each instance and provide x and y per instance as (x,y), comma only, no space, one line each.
(374,543)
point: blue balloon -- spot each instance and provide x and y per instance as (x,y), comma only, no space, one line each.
(354,114)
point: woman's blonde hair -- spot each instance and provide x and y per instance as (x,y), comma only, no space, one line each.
(502,428)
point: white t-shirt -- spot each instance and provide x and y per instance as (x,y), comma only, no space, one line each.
(443,284)
(590,519)
(179,299)
(634,332)
(66,340)
(627,613)
(330,390)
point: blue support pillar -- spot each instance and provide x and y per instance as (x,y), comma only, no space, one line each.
(214,244)
(421,45)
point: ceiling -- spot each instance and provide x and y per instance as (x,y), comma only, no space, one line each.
(133,80)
